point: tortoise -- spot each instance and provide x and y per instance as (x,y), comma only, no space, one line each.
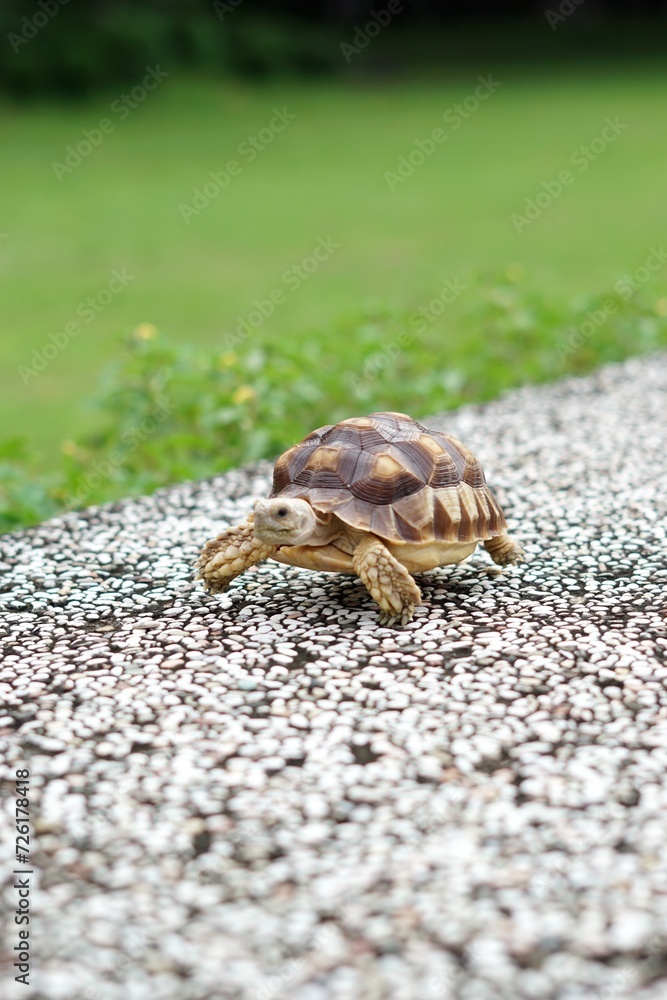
(379,496)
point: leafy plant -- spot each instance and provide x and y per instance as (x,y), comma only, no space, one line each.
(173,412)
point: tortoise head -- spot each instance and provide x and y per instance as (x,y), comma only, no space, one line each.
(284,521)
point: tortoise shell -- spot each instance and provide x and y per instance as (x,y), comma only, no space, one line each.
(390,475)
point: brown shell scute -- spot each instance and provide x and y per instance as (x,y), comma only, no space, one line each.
(389,475)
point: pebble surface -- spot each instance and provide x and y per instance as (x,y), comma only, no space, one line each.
(268,795)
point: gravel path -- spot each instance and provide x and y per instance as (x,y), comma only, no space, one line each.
(266,795)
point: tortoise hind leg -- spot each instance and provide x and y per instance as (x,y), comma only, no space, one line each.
(504,549)
(388,583)
(231,553)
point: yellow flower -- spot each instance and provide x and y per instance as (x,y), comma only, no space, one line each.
(72,450)
(515,273)
(661,307)
(228,359)
(145,331)
(243,394)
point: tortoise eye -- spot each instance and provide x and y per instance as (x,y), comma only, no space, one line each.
(282,512)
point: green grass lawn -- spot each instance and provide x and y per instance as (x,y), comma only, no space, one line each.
(323,176)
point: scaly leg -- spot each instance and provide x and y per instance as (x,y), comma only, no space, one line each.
(388,583)
(231,553)
(503,549)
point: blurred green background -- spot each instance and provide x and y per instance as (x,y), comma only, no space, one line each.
(78,412)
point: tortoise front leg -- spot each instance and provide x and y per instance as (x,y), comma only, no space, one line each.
(231,553)
(504,549)
(388,583)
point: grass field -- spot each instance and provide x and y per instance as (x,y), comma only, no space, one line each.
(321,178)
